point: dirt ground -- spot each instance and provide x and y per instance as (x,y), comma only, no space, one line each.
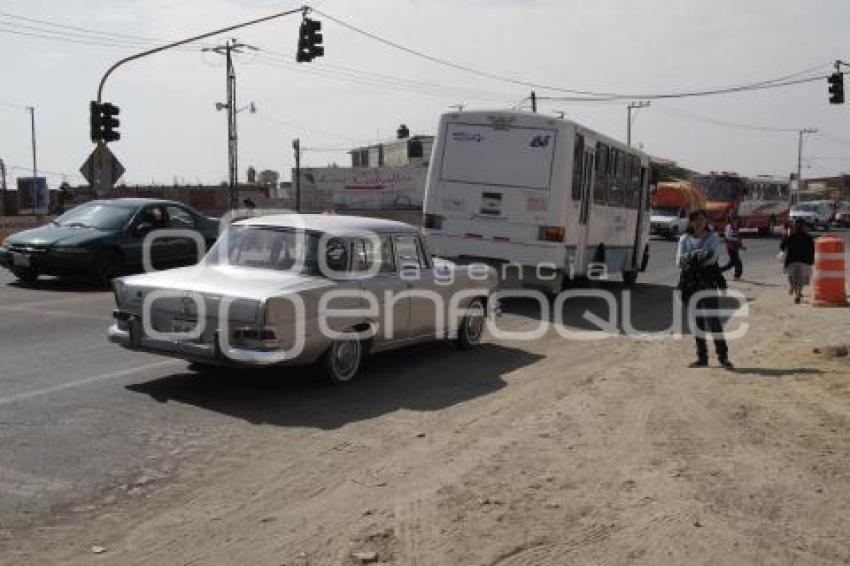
(552,452)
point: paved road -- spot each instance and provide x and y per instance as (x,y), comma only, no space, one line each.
(80,418)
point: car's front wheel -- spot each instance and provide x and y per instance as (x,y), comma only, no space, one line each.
(343,359)
(471,327)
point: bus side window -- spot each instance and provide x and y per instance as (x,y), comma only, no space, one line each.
(634,183)
(616,186)
(578,168)
(600,188)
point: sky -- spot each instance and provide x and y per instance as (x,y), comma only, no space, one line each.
(362,89)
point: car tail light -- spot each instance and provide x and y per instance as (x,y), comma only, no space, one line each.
(433,221)
(551,233)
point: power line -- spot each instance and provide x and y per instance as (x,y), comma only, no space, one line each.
(112,36)
(770,83)
(722,123)
(834,138)
(368,81)
(87,37)
(391,79)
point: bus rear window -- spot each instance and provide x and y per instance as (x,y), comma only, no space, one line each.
(516,157)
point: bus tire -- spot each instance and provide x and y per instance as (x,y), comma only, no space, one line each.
(644,261)
(630,278)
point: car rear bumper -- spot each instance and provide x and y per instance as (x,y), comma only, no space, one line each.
(133,338)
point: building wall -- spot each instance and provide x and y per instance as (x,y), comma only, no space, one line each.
(370,188)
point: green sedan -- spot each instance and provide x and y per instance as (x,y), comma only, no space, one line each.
(102,239)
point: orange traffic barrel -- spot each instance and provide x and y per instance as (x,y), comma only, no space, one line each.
(828,283)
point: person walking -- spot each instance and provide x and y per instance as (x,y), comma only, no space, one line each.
(696,257)
(734,245)
(799,250)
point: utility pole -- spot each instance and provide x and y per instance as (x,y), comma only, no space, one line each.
(800,156)
(534,102)
(32,134)
(629,108)
(230,47)
(296,145)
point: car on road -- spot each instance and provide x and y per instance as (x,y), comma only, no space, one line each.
(842,215)
(104,238)
(302,289)
(815,214)
(668,221)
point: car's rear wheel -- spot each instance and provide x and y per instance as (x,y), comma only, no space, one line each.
(471,327)
(343,359)
(25,274)
(105,267)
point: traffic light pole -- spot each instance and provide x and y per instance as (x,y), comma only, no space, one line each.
(303,9)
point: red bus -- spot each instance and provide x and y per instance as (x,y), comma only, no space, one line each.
(761,202)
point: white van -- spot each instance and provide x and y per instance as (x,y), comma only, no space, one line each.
(545,198)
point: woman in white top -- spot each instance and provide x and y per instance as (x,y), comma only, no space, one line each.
(697,256)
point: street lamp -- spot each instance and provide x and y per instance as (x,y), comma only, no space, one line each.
(252,108)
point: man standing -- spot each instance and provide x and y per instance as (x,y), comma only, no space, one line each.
(734,246)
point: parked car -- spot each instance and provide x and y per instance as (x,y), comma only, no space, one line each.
(814,214)
(103,238)
(240,305)
(842,215)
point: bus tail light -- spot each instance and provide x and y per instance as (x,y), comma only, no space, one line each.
(433,221)
(551,233)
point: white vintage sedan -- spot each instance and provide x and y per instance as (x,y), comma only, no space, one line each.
(300,289)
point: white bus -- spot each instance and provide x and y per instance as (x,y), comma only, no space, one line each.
(549,195)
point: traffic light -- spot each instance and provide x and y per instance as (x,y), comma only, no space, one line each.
(110,122)
(103,122)
(309,41)
(836,88)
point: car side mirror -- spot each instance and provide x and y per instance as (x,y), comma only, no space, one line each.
(142,229)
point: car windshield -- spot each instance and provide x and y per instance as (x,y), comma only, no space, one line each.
(665,211)
(264,247)
(722,189)
(100,216)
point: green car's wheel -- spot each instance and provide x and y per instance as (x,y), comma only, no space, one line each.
(25,274)
(105,267)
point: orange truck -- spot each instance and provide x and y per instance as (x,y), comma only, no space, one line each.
(672,202)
